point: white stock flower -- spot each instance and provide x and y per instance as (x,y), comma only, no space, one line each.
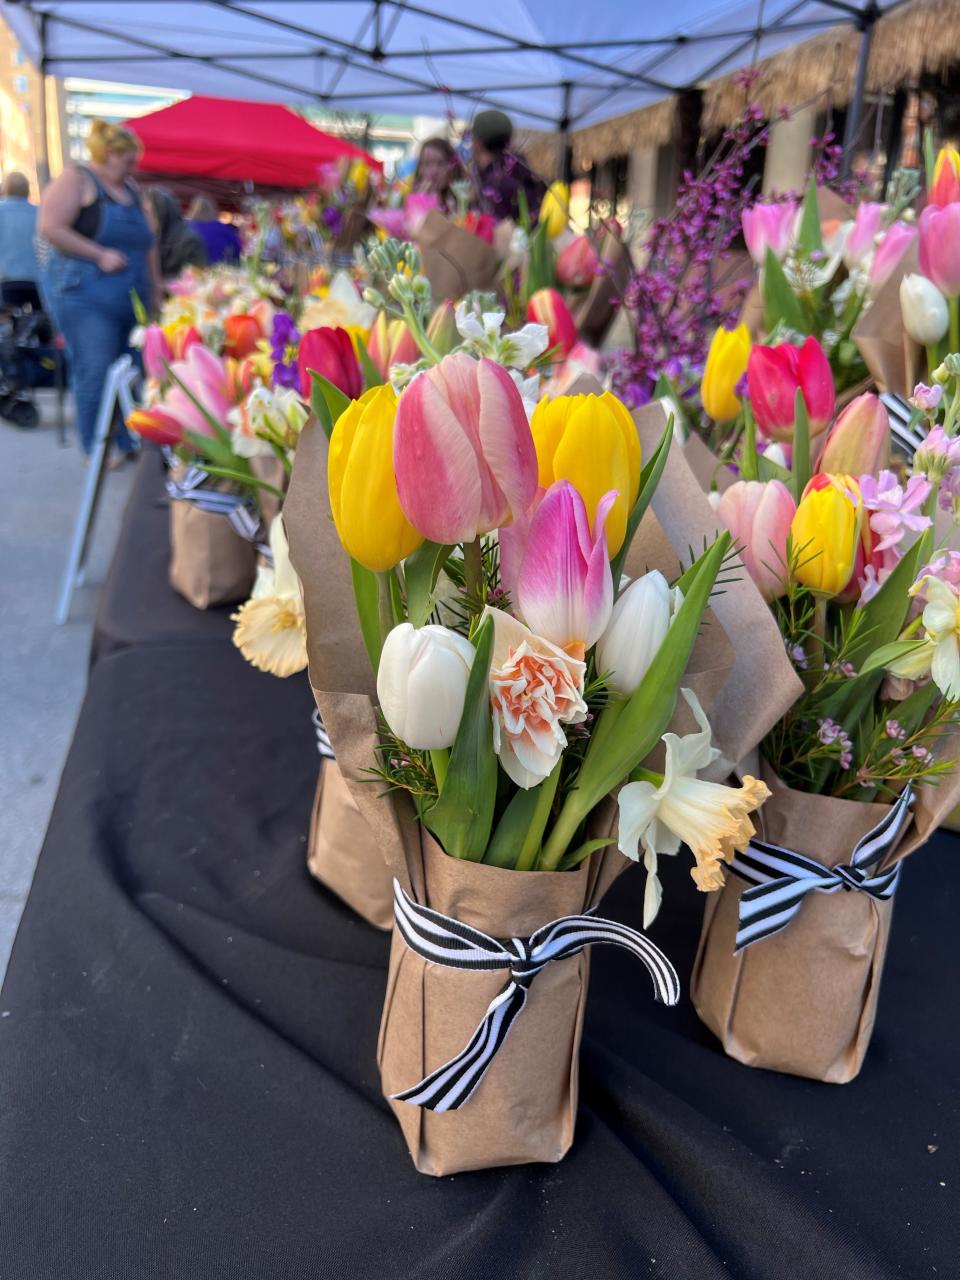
(481,337)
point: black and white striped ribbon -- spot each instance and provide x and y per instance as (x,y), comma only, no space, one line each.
(324,745)
(781,879)
(443,940)
(906,424)
(239,510)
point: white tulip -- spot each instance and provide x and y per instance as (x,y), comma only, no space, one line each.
(422,683)
(641,619)
(924,309)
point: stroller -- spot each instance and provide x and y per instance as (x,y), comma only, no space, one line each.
(29,354)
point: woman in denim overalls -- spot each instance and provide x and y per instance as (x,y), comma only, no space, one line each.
(96,248)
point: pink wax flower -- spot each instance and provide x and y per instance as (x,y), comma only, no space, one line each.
(893,507)
(565,588)
(769,226)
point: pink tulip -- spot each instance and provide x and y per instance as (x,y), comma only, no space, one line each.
(769,226)
(513,539)
(890,250)
(577,264)
(859,441)
(200,388)
(390,343)
(463,451)
(774,375)
(862,236)
(759,515)
(547,307)
(565,591)
(940,247)
(405,223)
(157,352)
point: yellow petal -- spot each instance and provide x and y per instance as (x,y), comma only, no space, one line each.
(630,438)
(592,455)
(271,634)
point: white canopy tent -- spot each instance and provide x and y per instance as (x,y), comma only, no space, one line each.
(556,64)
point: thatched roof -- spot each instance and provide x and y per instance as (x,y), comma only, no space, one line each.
(922,36)
(649,127)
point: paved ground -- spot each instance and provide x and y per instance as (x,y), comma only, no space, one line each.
(43,669)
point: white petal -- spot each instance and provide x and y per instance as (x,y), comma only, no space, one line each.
(945,668)
(637,804)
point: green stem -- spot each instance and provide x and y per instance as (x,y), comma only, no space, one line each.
(818,636)
(527,857)
(385,604)
(419,335)
(473,576)
(440,758)
(954,306)
(933,358)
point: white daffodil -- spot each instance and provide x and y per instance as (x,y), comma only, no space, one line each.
(341,308)
(271,630)
(938,653)
(712,819)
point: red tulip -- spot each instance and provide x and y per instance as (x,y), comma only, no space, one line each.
(773,376)
(945,188)
(481,225)
(330,352)
(547,307)
(577,264)
(241,335)
(155,425)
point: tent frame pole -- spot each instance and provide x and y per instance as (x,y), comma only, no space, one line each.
(566,142)
(851,130)
(43,159)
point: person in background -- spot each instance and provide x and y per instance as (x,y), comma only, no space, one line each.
(438,167)
(501,174)
(178,243)
(18,225)
(96,249)
(221,239)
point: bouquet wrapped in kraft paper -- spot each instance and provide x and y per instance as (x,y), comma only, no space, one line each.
(862,767)
(455,261)
(496,808)
(210,563)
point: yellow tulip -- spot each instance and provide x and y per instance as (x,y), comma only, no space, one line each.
(591,441)
(360,175)
(726,365)
(555,209)
(825,532)
(363,489)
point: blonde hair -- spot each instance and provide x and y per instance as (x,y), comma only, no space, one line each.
(106,139)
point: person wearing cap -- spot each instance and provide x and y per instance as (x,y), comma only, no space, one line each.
(501,174)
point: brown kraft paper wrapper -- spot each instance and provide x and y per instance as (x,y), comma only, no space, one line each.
(595,312)
(803,1001)
(454,259)
(210,563)
(270,469)
(893,358)
(338,837)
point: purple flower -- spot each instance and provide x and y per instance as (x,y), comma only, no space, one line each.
(284,340)
(938,455)
(894,729)
(926,398)
(333,217)
(893,507)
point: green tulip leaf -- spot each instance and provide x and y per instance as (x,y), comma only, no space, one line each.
(462,817)
(780,303)
(649,479)
(810,239)
(886,654)
(367,597)
(801,446)
(326,400)
(750,460)
(421,571)
(372,377)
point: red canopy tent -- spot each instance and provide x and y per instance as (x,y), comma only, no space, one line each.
(226,139)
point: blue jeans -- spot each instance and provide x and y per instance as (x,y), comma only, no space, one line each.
(95,337)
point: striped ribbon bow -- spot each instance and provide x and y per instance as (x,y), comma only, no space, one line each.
(240,511)
(324,745)
(780,879)
(442,940)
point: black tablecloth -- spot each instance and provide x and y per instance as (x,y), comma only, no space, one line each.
(187,1076)
(138,605)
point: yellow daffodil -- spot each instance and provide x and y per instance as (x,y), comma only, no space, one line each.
(726,365)
(824,533)
(363,488)
(271,630)
(591,441)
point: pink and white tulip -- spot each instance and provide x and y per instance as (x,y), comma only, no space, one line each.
(157,352)
(861,238)
(463,453)
(890,251)
(565,588)
(759,514)
(200,388)
(769,226)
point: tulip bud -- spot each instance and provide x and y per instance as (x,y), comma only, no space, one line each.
(774,375)
(895,243)
(241,335)
(154,424)
(945,188)
(547,307)
(591,441)
(157,352)
(464,456)
(924,309)
(442,330)
(390,343)
(555,209)
(769,226)
(422,684)
(726,365)
(577,264)
(638,626)
(825,535)
(860,240)
(363,491)
(759,514)
(940,247)
(859,441)
(330,352)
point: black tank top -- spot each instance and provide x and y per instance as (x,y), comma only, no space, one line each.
(87,221)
